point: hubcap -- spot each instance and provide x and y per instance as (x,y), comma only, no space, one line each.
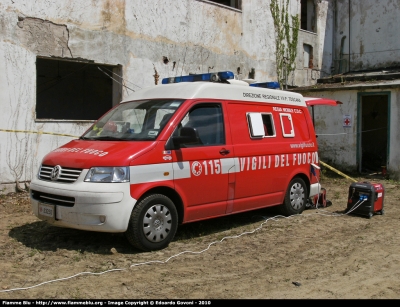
(297,196)
(157,223)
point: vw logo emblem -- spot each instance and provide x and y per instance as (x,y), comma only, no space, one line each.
(55,172)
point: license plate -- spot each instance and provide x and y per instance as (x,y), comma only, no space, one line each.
(46,212)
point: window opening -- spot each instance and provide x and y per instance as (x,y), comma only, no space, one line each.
(307,56)
(237,4)
(307,18)
(68,90)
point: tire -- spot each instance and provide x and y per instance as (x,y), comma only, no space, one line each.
(153,223)
(295,198)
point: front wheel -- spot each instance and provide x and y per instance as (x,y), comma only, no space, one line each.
(153,223)
(295,198)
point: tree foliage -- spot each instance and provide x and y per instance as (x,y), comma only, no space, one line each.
(286,37)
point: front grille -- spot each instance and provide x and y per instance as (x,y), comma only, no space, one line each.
(53,199)
(67,175)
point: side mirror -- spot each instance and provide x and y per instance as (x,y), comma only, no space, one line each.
(187,135)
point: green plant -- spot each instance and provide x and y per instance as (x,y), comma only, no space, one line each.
(3,193)
(33,252)
(286,37)
(392,181)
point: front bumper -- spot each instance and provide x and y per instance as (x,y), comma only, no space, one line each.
(104,207)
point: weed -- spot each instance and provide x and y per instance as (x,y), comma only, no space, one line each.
(392,181)
(12,225)
(76,294)
(97,270)
(76,258)
(220,237)
(33,252)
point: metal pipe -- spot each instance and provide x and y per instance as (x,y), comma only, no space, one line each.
(349,33)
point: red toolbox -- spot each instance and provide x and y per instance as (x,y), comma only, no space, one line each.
(365,198)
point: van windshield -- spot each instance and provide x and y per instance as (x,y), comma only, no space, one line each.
(141,120)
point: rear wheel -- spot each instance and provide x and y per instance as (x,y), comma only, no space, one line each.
(153,223)
(295,198)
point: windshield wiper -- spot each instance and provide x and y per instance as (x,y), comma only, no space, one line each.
(104,138)
(112,138)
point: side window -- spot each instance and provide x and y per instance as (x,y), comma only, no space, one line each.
(268,122)
(207,120)
(256,125)
(260,125)
(287,125)
(162,117)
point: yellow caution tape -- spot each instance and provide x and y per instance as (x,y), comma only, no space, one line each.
(39,132)
(336,171)
(74,136)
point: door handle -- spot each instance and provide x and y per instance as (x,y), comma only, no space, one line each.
(224,151)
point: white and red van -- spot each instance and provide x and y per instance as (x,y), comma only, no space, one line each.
(182,152)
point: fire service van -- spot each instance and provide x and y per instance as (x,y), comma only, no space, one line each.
(182,152)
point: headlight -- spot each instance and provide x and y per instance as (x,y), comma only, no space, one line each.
(108,174)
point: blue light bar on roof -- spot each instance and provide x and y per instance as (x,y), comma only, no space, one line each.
(273,85)
(212,77)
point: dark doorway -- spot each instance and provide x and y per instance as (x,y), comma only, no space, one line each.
(374,135)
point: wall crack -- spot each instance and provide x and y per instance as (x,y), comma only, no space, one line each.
(44,37)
